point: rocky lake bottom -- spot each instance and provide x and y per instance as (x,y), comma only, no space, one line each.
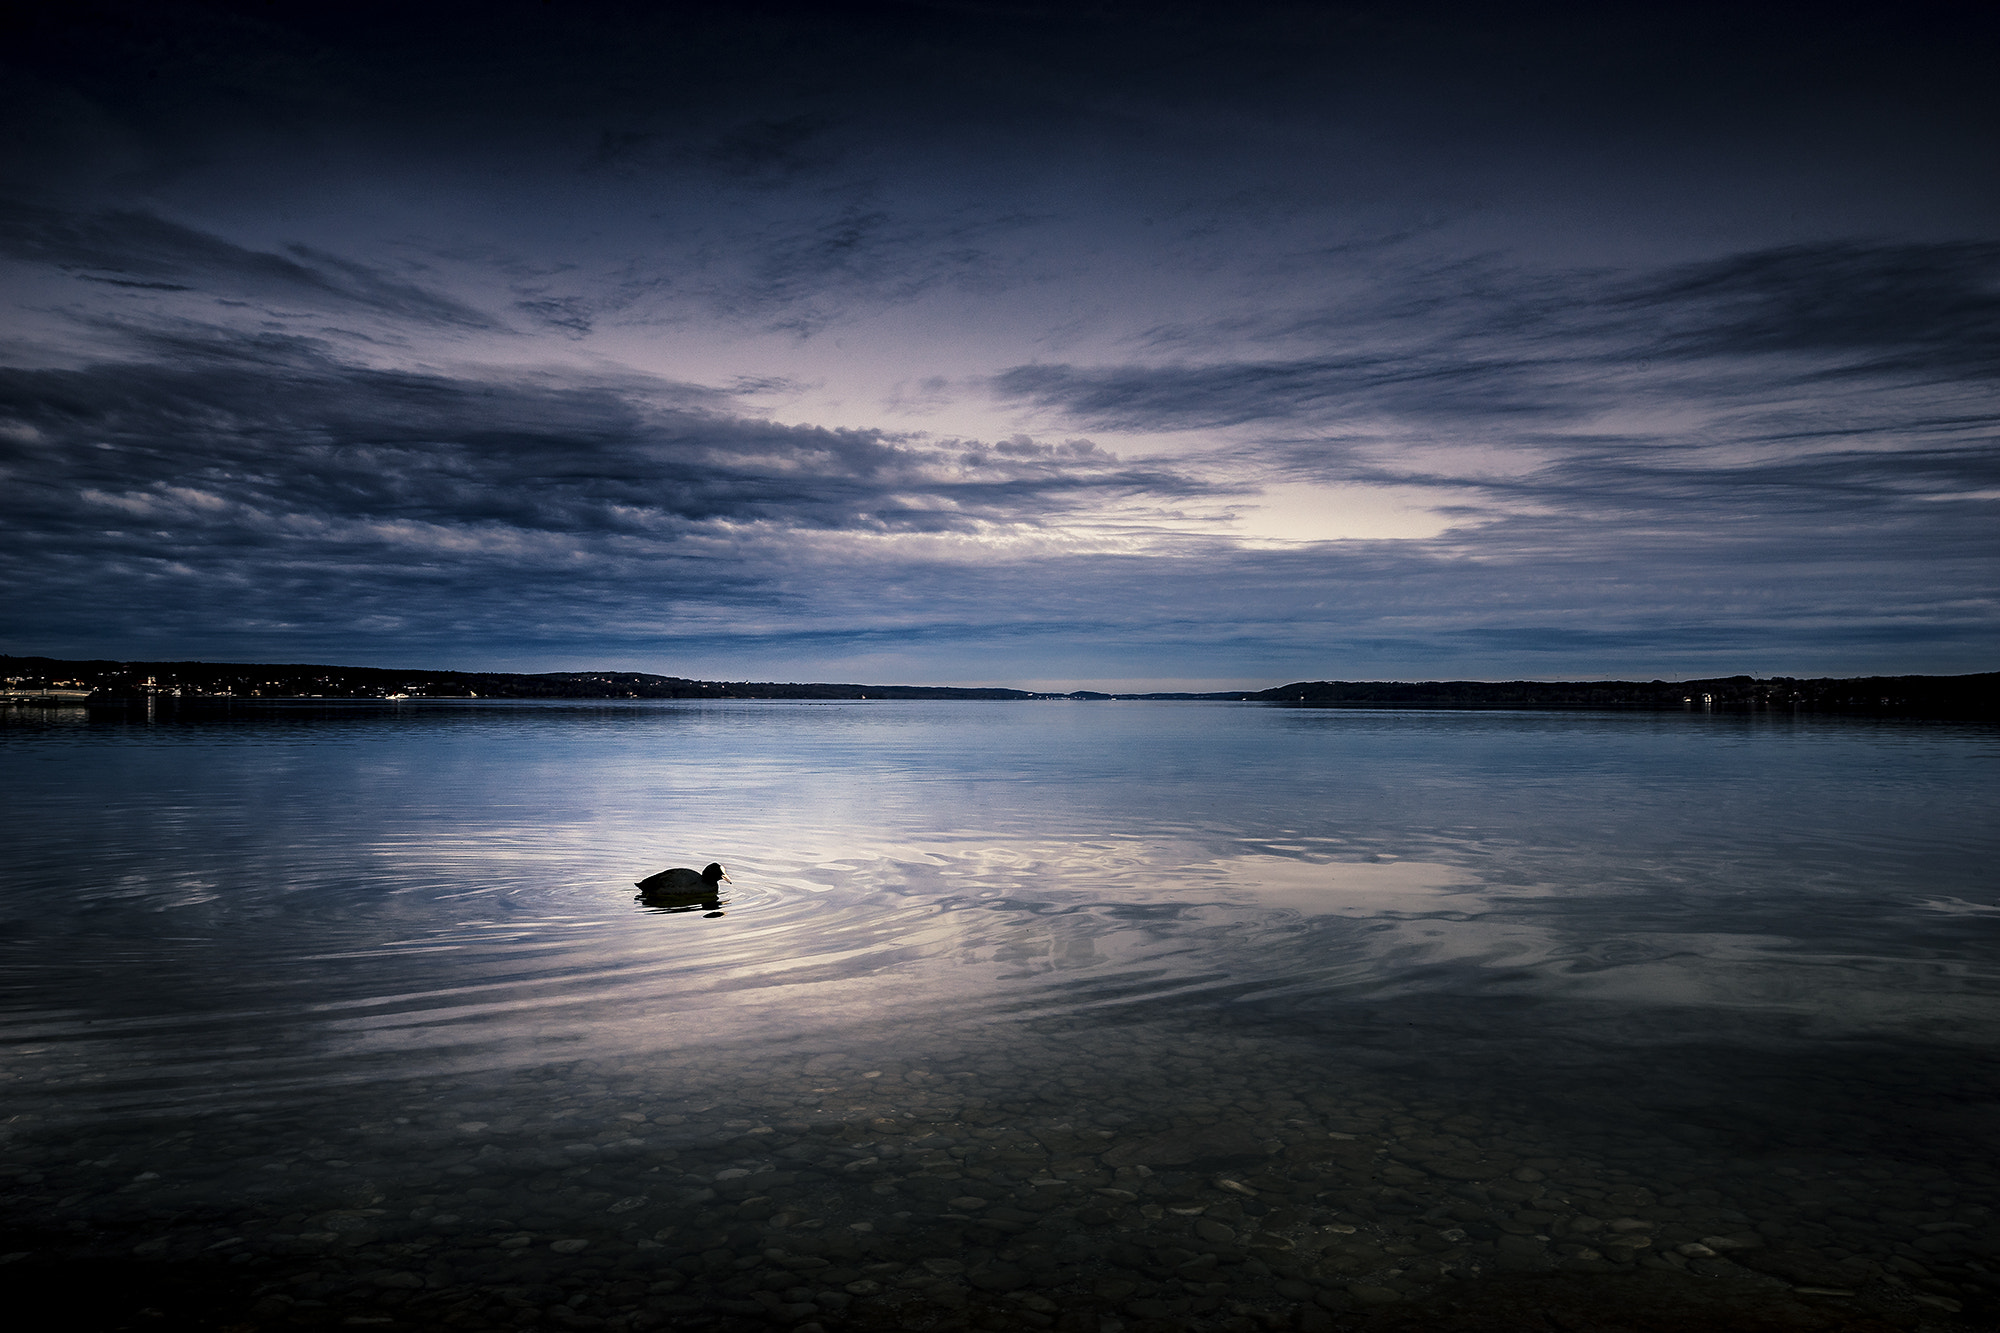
(1125,1178)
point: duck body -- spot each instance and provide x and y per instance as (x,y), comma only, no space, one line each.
(682,880)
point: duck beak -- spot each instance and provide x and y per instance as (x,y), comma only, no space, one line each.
(727,880)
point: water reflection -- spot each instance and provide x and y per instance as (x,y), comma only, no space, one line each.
(669,903)
(960,862)
(1679,929)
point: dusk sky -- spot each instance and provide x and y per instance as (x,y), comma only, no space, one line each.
(1130,346)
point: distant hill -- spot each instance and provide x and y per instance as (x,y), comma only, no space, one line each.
(111,683)
(1928,696)
(237,680)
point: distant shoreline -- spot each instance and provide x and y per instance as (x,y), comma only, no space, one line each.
(109,683)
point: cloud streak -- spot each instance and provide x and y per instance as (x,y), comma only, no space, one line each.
(264,474)
(128,248)
(1541,348)
(1882,308)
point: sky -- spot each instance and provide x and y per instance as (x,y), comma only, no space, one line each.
(1129,346)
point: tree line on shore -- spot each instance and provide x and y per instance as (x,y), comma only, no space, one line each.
(111,682)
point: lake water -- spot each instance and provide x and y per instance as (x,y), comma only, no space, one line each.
(1086,1016)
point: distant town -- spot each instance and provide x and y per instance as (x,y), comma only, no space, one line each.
(45,681)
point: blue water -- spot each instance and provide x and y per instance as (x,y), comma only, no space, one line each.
(454,881)
(1681,922)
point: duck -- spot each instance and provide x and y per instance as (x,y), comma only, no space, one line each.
(682,880)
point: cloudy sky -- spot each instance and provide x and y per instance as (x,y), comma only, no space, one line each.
(1152,345)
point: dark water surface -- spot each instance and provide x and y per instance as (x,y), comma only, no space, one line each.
(1094,1017)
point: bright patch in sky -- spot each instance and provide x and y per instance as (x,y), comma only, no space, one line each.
(1295,512)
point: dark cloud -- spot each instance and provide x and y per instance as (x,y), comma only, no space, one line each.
(1172,398)
(258,483)
(813,270)
(572,315)
(1476,345)
(1930,308)
(133,249)
(277,424)
(210,490)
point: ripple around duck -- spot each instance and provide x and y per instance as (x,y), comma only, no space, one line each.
(317,908)
(479,993)
(410,968)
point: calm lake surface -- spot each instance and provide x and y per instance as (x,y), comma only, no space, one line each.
(1088,1016)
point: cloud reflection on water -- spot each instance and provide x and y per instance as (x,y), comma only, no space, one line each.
(456,892)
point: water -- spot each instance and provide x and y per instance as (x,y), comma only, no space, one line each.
(1013,1015)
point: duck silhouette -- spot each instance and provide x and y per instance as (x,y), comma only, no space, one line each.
(682,881)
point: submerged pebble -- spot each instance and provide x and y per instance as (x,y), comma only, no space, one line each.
(1010,1184)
